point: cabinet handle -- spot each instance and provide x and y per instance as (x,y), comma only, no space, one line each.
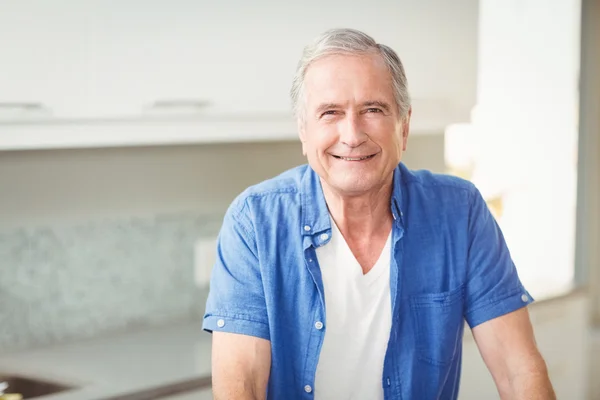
(177,103)
(23,106)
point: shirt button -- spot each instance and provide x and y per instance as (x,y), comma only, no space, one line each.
(324,236)
(319,325)
(525,298)
(306,228)
(307,389)
(221,323)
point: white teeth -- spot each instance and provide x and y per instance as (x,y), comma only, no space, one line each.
(354,159)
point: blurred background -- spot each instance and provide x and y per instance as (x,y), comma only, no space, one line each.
(126,129)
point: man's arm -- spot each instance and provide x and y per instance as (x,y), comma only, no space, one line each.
(507,345)
(240,366)
(236,311)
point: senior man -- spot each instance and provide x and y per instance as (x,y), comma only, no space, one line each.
(351,277)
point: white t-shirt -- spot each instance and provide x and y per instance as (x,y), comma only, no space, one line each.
(358,322)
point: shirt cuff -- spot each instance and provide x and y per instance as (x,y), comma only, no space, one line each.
(218,323)
(498,308)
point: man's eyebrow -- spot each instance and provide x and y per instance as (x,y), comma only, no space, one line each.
(326,106)
(377,103)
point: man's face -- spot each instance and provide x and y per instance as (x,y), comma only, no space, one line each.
(352,134)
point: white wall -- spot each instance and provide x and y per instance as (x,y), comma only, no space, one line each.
(62,186)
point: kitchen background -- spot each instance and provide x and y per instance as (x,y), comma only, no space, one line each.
(127,128)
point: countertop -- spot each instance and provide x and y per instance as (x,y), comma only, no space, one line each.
(195,395)
(128,363)
(120,364)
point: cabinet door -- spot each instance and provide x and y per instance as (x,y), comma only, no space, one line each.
(241,56)
(101,59)
(238,57)
(44,56)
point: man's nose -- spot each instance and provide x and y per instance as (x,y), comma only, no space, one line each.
(351,131)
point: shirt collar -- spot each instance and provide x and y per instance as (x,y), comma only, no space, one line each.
(315,214)
(396,204)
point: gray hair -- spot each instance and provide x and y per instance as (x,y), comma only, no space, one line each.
(349,41)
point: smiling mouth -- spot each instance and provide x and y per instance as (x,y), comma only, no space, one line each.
(355,158)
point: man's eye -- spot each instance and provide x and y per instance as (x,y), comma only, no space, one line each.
(374,110)
(329,112)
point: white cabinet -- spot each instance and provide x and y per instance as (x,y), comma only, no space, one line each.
(43,58)
(85,65)
(241,55)
(100,59)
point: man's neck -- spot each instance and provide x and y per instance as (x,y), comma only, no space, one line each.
(360,217)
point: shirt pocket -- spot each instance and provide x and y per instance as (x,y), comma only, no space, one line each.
(438,320)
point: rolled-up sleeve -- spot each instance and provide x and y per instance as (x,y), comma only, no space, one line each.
(236,301)
(493,285)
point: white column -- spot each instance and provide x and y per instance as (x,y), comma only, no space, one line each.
(587,255)
(588,204)
(526,128)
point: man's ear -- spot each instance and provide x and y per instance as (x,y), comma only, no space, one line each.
(406,129)
(302,135)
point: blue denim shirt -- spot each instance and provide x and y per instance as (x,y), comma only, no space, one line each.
(450,264)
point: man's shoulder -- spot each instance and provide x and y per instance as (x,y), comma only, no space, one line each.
(443,183)
(285,183)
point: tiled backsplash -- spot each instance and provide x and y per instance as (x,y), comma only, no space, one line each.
(87,246)
(68,282)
